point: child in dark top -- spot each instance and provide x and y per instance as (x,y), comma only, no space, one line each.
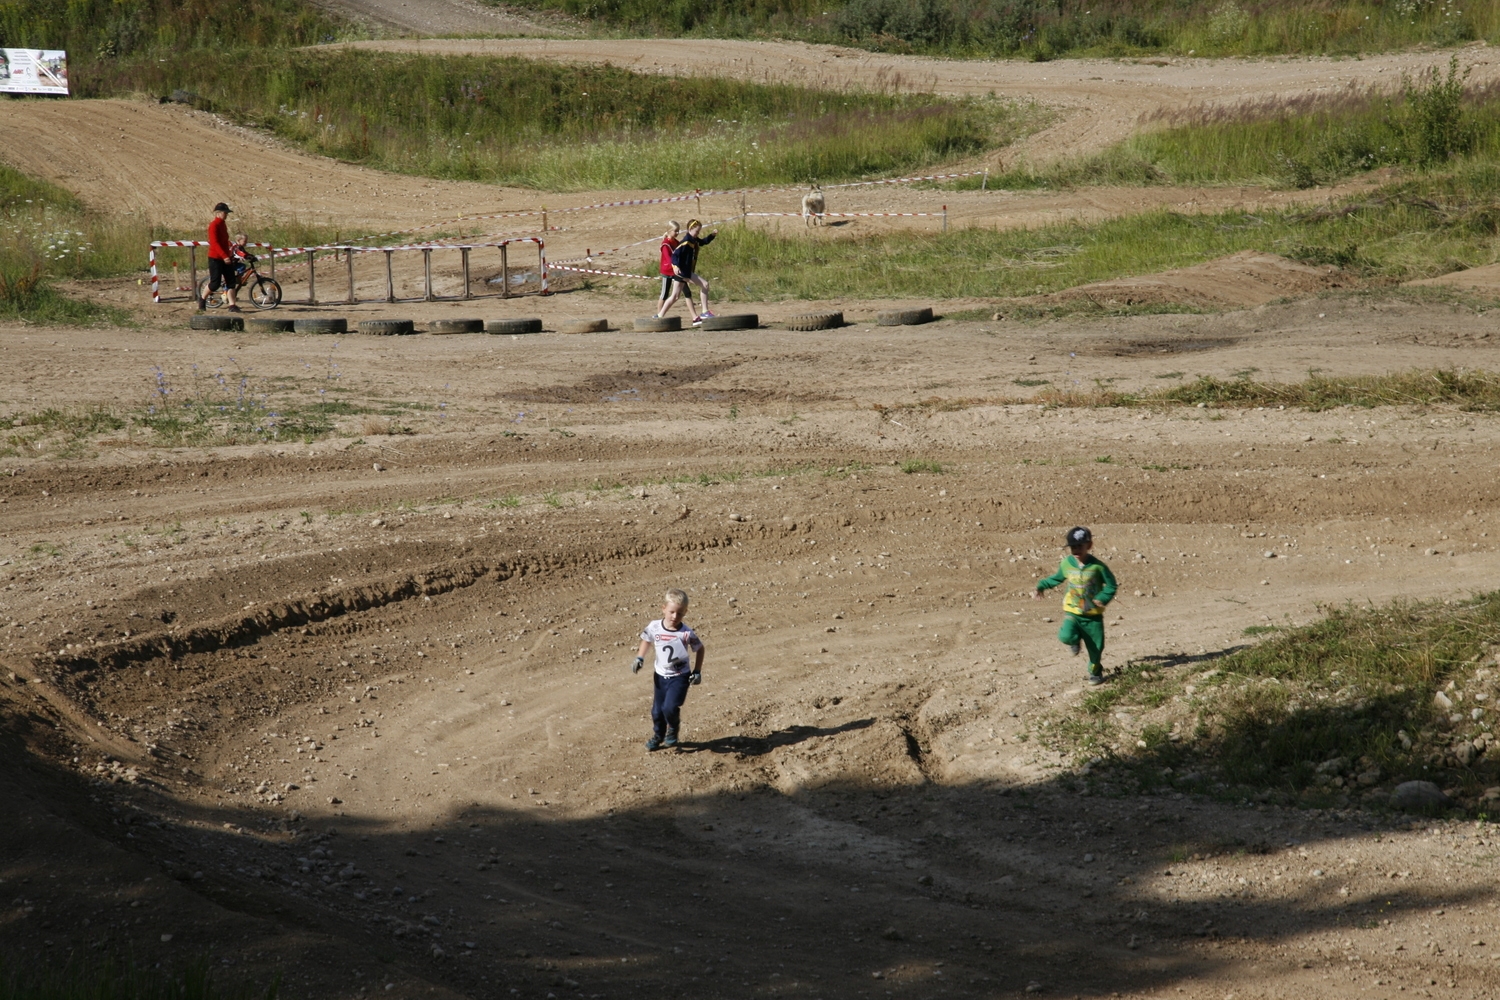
(684,269)
(1090,587)
(673,641)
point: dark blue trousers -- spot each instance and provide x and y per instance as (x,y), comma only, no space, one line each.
(666,702)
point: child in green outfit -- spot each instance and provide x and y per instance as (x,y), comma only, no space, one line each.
(1090,587)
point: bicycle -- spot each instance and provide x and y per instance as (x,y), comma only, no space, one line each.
(265,293)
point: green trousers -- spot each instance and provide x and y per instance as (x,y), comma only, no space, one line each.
(1087,630)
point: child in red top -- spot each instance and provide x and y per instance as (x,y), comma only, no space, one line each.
(240,256)
(669,242)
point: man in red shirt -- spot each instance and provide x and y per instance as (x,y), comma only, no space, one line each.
(220,260)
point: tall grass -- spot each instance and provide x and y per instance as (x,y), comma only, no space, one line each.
(562,127)
(97,31)
(1418,228)
(1045,29)
(1300,141)
(1469,390)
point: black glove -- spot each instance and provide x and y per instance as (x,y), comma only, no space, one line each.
(697,676)
(640,661)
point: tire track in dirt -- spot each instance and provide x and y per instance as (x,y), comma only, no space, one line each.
(854,771)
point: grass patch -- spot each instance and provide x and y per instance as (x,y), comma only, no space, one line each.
(1468,390)
(1420,227)
(915,465)
(1329,713)
(1299,141)
(565,127)
(1472,390)
(198,406)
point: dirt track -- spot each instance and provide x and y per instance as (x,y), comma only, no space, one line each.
(434,653)
(113,155)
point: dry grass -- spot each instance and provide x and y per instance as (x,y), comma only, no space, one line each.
(1472,389)
(1328,713)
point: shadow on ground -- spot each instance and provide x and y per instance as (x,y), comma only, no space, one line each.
(834,890)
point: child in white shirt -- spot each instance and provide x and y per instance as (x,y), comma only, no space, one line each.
(673,642)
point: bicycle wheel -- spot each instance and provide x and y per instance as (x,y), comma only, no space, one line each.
(266,294)
(213,299)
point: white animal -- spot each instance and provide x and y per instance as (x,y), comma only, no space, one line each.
(813,206)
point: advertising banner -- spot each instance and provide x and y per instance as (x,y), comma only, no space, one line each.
(33,71)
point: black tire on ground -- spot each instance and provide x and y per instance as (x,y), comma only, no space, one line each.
(327,324)
(456,326)
(513,326)
(904,317)
(387,327)
(266,293)
(816,321)
(270,325)
(738,321)
(583,326)
(220,323)
(657,324)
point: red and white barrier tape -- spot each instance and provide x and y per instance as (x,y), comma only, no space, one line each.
(592,270)
(670,199)
(346,248)
(853,215)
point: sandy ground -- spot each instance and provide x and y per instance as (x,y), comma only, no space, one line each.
(359,710)
(1102,100)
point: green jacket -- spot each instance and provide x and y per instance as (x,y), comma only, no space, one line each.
(1090,585)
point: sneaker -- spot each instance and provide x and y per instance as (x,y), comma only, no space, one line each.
(1075,648)
(654,743)
(202,306)
(1096,679)
(697,320)
(671,740)
(707,314)
(234,309)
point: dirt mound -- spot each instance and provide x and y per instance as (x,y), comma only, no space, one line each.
(1485,280)
(1241,280)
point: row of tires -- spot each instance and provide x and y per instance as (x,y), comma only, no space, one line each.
(379,327)
(648,324)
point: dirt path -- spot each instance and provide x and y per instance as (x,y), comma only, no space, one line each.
(443,17)
(363,703)
(1103,100)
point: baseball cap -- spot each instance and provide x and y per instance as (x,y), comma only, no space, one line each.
(221,207)
(1078,536)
